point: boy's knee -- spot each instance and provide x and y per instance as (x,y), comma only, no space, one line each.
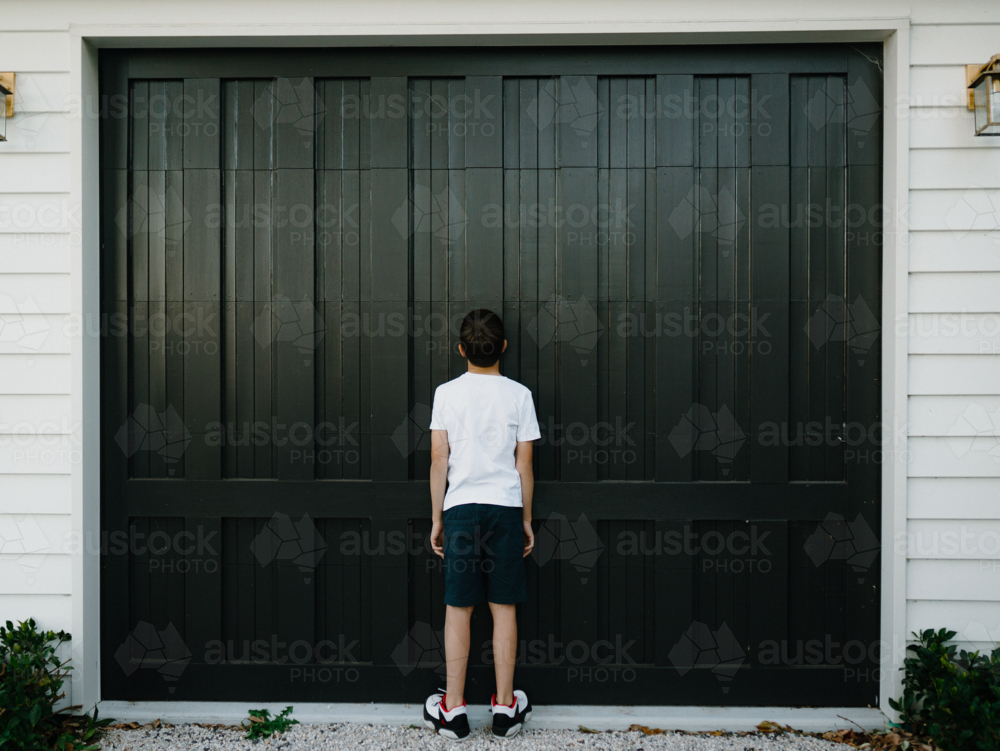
(466,611)
(499,609)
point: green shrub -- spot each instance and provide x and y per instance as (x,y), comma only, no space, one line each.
(31,680)
(953,699)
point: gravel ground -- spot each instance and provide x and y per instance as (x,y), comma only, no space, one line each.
(350,736)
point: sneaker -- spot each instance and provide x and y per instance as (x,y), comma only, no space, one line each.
(452,724)
(507,720)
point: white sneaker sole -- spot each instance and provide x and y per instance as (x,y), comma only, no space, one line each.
(445,733)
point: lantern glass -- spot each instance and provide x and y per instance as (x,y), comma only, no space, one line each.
(986,95)
(3,113)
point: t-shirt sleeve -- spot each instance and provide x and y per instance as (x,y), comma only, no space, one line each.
(527,424)
(437,411)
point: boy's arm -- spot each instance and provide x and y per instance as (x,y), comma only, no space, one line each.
(439,482)
(522,461)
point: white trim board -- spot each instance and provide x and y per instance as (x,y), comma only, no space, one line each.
(552,717)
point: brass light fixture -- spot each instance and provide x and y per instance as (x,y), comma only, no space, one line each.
(7,93)
(984,96)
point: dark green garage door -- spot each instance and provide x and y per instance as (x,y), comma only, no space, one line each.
(684,244)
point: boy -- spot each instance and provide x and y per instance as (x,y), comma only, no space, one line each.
(482,426)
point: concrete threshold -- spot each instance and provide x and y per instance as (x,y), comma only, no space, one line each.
(550,717)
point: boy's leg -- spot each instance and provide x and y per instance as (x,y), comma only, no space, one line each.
(456,651)
(504,650)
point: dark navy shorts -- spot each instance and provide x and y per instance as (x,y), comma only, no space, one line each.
(483,555)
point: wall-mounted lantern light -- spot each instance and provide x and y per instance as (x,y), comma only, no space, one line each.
(7,94)
(984,96)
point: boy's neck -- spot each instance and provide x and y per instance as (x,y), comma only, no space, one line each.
(494,369)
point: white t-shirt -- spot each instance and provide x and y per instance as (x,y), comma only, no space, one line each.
(485,416)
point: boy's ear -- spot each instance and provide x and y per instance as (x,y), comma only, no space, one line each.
(461,349)
(504,347)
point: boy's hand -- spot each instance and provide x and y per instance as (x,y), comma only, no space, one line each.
(529,539)
(437,538)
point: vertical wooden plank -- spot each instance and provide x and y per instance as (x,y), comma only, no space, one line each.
(511,112)
(295,329)
(483,121)
(577,117)
(332,126)
(139,158)
(674,588)
(297,114)
(864,108)
(510,227)
(262,319)
(676,311)
(769,104)
(389,579)
(863,366)
(675,121)
(201,547)
(484,250)
(534,108)
(114,127)
(202,125)
(389,344)
(388,122)
(264,114)
(769,385)
(422,129)
(202,355)
(578,323)
(457,130)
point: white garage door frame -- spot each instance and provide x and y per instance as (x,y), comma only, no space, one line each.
(85,41)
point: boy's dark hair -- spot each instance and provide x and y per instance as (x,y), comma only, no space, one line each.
(482,335)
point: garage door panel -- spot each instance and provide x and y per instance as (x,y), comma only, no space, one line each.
(682,319)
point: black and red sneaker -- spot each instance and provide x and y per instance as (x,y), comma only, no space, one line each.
(452,724)
(508,719)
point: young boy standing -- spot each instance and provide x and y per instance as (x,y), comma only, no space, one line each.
(482,426)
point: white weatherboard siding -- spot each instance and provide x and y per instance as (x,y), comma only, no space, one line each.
(48,221)
(953,527)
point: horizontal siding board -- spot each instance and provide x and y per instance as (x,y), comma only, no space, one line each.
(38,132)
(36,574)
(953,374)
(43,92)
(968,619)
(954,169)
(938,86)
(42,534)
(34,173)
(35,494)
(959,211)
(945,127)
(38,51)
(953,498)
(966,292)
(29,213)
(954,415)
(952,539)
(35,374)
(953,44)
(974,581)
(956,456)
(954,333)
(53,612)
(955,251)
(34,293)
(45,334)
(34,411)
(40,455)
(41,253)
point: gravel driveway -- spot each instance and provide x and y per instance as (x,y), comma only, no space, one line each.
(350,736)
